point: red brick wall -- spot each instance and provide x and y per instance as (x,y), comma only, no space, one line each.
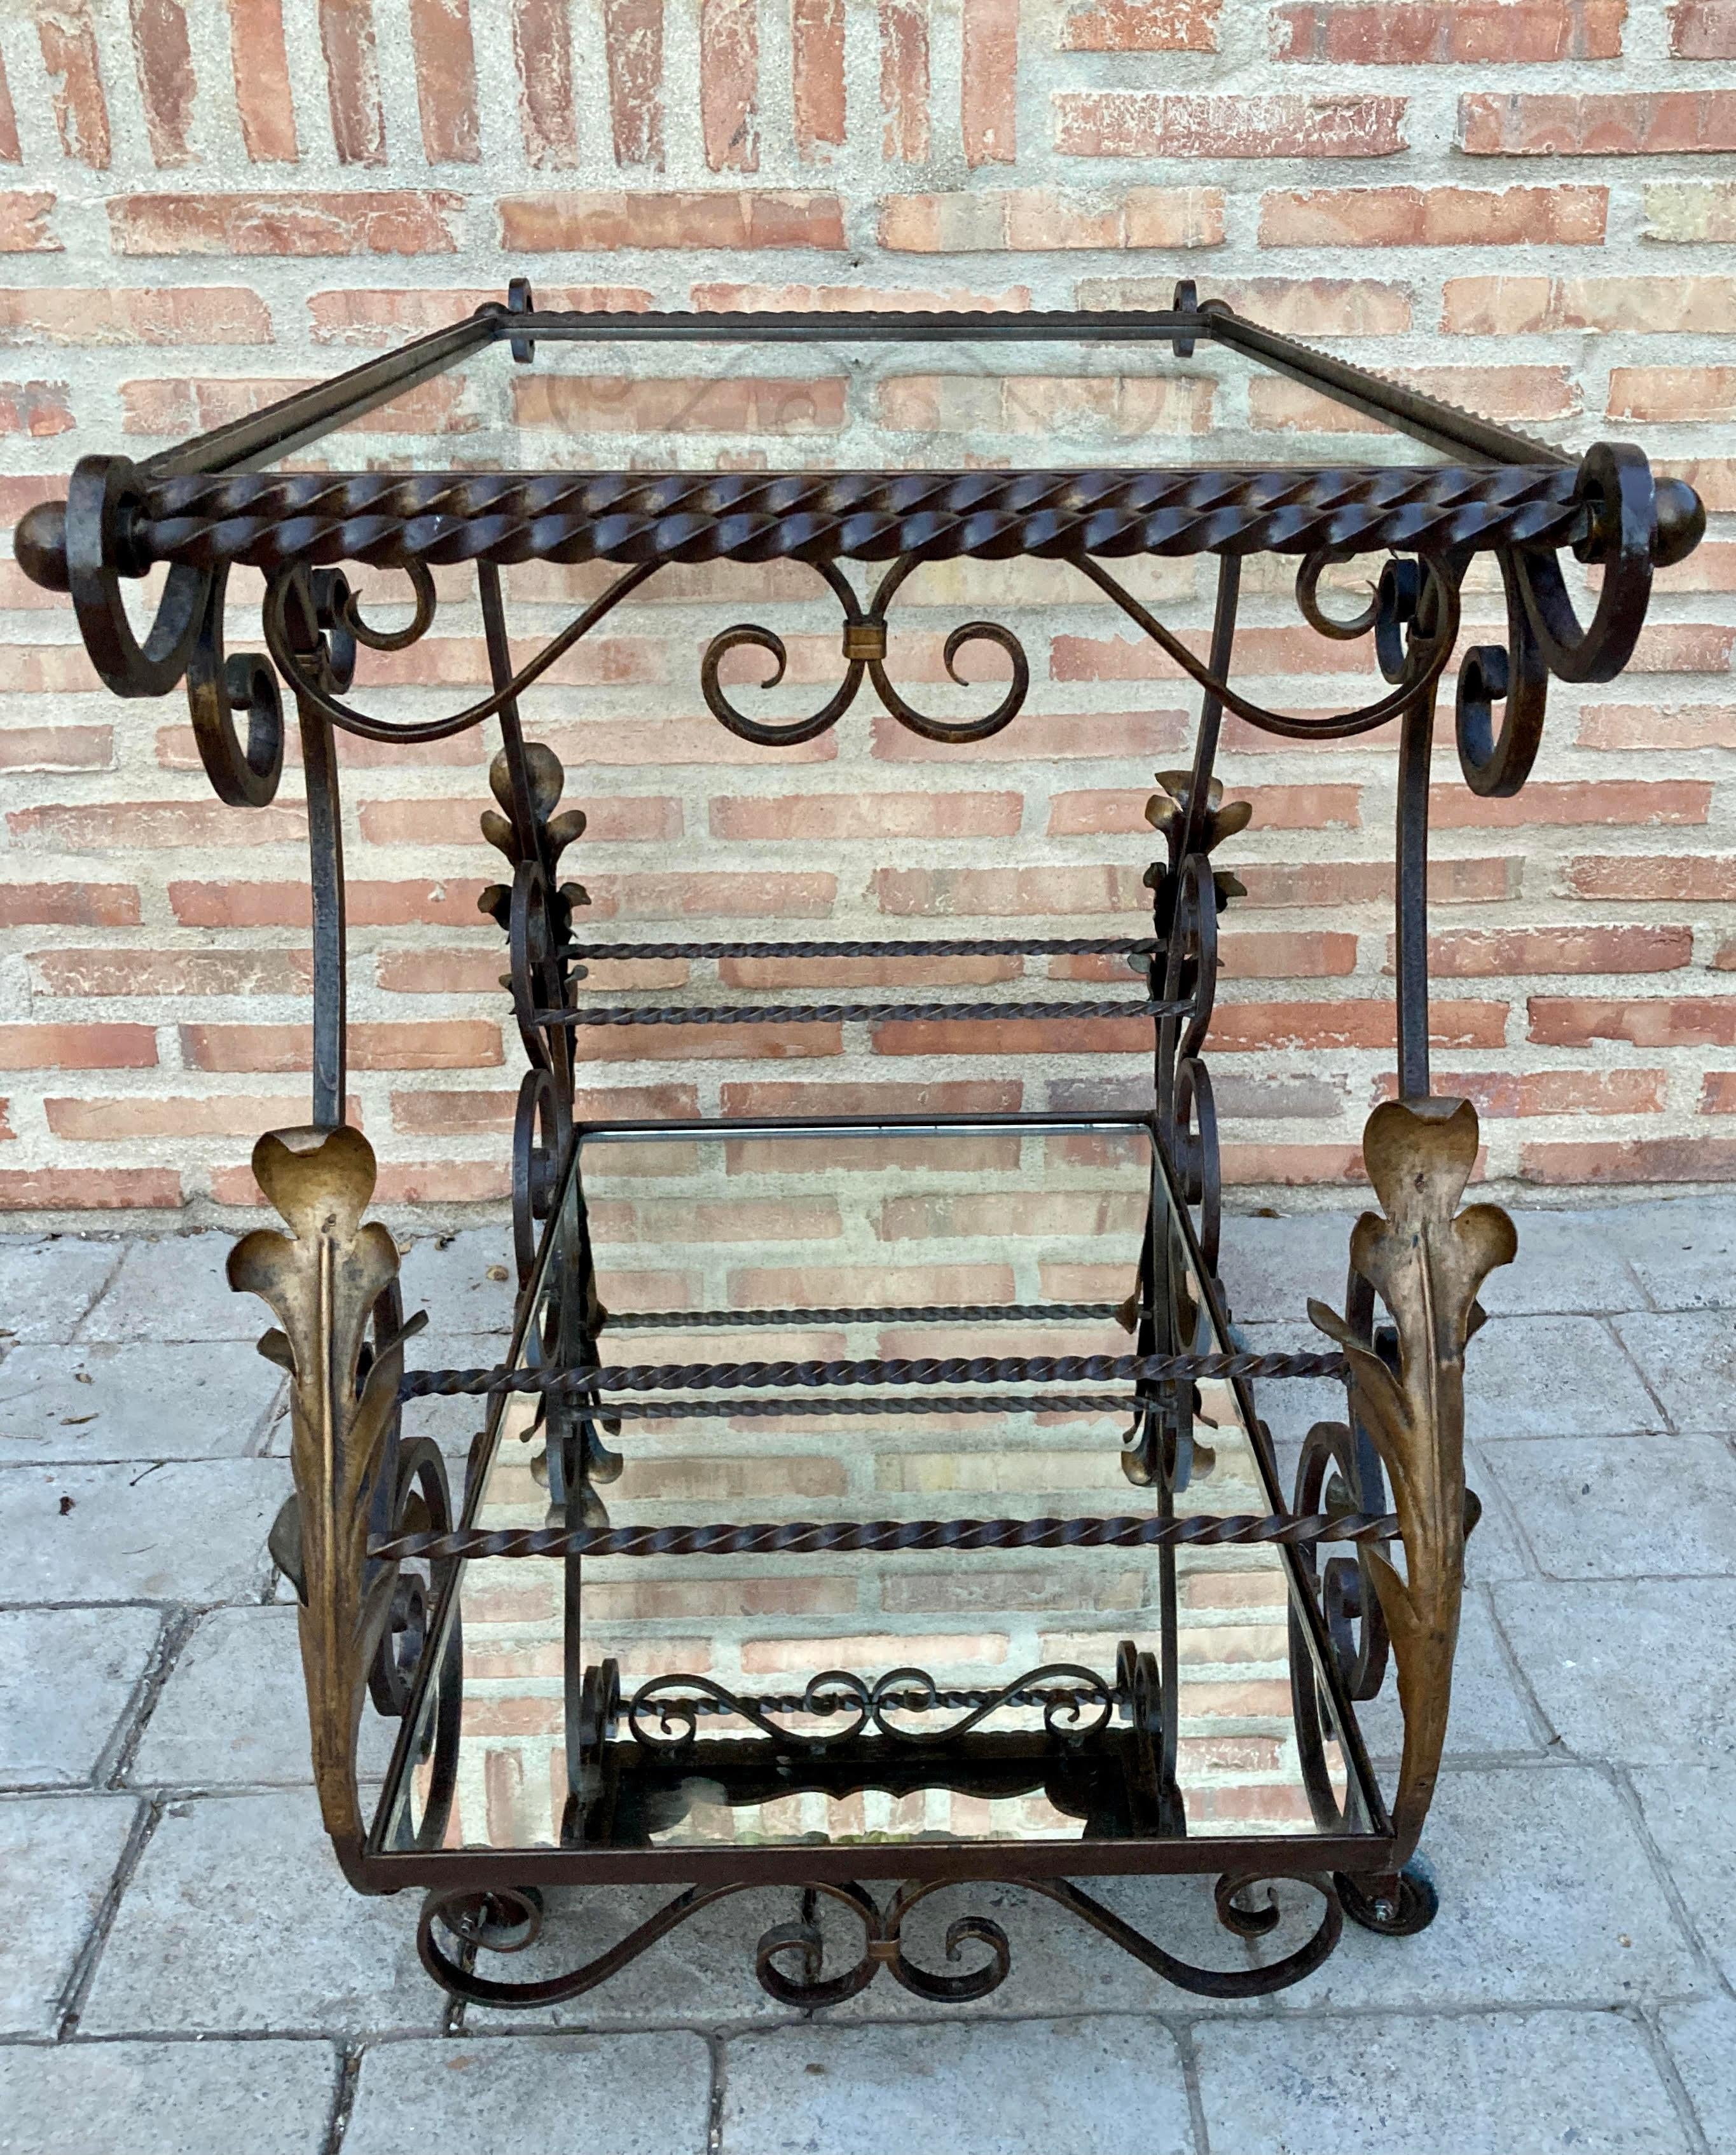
(1524,205)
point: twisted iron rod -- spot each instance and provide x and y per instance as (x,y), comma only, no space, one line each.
(812,1537)
(928,1370)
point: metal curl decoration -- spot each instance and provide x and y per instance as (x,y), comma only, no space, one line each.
(864,651)
(1307,601)
(218,690)
(1497,765)
(1061,1709)
(747,636)
(1616,484)
(279,640)
(427,602)
(103,498)
(788,1958)
(1428,642)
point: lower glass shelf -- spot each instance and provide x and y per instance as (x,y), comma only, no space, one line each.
(871,1698)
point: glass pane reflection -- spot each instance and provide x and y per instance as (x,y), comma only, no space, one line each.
(1159,1699)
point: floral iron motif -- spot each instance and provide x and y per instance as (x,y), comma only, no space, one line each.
(1427,1261)
(332,1283)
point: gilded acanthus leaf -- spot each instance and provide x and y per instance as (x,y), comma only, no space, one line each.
(1426,1264)
(322,1282)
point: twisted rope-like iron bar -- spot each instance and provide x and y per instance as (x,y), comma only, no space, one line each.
(1001,946)
(809,1404)
(389,521)
(928,1370)
(854,1013)
(943,1313)
(892,1537)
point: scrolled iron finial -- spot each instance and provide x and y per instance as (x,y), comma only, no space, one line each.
(1427,1261)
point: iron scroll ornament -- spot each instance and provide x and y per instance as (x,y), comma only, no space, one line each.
(788,1958)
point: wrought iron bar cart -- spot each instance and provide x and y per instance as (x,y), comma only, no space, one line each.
(1070,1768)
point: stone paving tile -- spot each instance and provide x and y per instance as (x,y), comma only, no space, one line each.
(48,1282)
(1489,1711)
(1270,1267)
(210,2098)
(58,1857)
(1560,1267)
(537,2095)
(452,1276)
(1683,1249)
(175,1287)
(210,1399)
(1687,1811)
(1622,1506)
(242,1897)
(1069,2087)
(1495,1549)
(1688,1357)
(66,1677)
(1424,2086)
(1701,2039)
(702,1971)
(1546,1895)
(234,1708)
(1642,1676)
(1552,1376)
(193,1530)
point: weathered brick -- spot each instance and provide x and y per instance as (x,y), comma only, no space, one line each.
(456,1044)
(905,81)
(561,223)
(88,1190)
(78,827)
(1435,216)
(817,53)
(1126,123)
(116,1117)
(445,80)
(1139,26)
(1414,32)
(1473,953)
(542,52)
(375,221)
(119,315)
(1045,219)
(1688,1159)
(68,38)
(1647,1021)
(729,85)
(1596,123)
(265,101)
(988,90)
(78,1048)
(1703,30)
(57,748)
(1278,808)
(1508,1094)
(1657,725)
(1677,878)
(23,222)
(69,905)
(1672,394)
(1501,306)
(1613,801)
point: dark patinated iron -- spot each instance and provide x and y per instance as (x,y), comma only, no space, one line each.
(371,1539)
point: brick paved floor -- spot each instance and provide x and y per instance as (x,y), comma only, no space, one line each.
(184,1970)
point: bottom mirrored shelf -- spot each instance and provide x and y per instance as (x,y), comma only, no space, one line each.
(867,1698)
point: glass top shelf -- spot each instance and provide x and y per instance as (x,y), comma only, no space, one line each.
(873,1696)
